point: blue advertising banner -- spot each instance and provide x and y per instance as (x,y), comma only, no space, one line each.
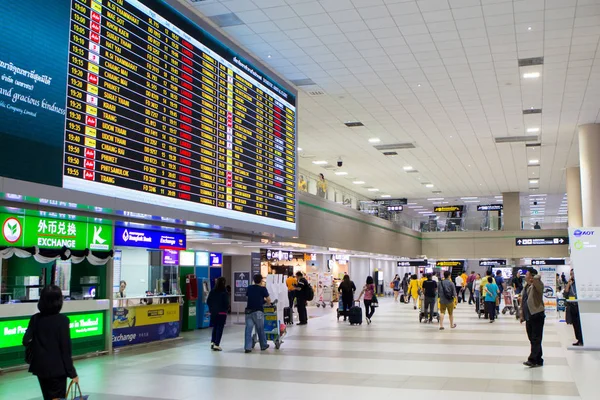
(148,239)
(144,334)
(216,259)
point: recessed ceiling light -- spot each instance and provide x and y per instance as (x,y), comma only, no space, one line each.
(373,190)
(534,162)
(533,130)
(419,85)
(386,196)
(407,168)
(529,28)
(374,140)
(472,201)
(319,162)
(469,198)
(531,75)
(429,185)
(359,182)
(436,199)
(299,148)
(534,181)
(269,56)
(341,173)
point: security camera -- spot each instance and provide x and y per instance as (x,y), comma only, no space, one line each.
(340,162)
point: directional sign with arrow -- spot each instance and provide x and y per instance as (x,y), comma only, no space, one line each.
(545,241)
(241,281)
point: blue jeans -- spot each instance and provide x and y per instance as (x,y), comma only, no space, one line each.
(255,320)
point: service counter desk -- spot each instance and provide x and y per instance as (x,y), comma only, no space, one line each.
(145,319)
(88,330)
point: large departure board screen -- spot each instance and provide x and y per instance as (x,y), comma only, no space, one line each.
(156,114)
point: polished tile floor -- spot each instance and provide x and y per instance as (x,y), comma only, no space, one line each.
(394,358)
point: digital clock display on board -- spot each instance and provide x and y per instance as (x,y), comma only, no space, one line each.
(157,113)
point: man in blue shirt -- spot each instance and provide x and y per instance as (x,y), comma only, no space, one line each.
(491,292)
(255,316)
(500,283)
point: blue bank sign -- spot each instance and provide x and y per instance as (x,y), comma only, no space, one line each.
(148,239)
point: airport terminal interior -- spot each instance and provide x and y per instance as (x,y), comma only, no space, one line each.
(239,199)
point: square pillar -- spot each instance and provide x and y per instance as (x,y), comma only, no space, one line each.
(512,211)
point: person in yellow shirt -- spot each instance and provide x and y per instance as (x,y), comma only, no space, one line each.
(464,285)
(291,283)
(413,289)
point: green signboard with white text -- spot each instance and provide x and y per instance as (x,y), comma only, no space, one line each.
(82,325)
(27,231)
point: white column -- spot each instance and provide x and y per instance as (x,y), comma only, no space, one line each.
(589,163)
(512,211)
(574,197)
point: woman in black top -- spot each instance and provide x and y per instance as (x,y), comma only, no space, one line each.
(49,338)
(347,289)
(218,305)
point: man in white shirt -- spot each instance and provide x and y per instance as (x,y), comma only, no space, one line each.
(459,286)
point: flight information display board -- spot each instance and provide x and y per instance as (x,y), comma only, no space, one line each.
(155,115)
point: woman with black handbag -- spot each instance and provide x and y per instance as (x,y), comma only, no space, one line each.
(48,345)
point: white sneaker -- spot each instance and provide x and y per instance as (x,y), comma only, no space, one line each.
(217,348)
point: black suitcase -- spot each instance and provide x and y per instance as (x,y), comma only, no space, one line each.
(355,314)
(402,298)
(288,316)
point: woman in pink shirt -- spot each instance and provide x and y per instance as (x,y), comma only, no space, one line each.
(369,292)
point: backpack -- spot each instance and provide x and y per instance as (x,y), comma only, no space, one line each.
(310,292)
(447,293)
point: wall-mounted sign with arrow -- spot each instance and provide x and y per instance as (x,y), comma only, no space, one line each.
(545,241)
(241,281)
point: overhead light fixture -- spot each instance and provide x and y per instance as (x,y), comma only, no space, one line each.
(373,190)
(533,130)
(320,162)
(407,168)
(534,181)
(531,75)
(374,140)
(498,197)
(411,204)
(299,148)
(529,28)
(429,185)
(341,173)
(472,201)
(435,199)
(534,162)
(386,196)
(359,182)
(415,207)
(469,198)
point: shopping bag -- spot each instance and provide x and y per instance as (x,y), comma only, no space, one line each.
(72,392)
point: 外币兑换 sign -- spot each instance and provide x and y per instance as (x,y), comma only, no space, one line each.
(545,241)
(81,326)
(241,283)
(490,207)
(29,231)
(149,239)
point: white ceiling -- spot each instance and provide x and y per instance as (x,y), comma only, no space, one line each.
(442,74)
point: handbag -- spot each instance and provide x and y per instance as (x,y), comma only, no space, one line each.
(374,301)
(73,395)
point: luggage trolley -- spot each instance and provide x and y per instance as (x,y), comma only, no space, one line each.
(326,297)
(274,329)
(509,302)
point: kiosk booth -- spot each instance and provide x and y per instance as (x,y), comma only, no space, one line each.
(39,248)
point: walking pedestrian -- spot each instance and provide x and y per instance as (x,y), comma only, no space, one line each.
(291,283)
(413,289)
(396,287)
(448,295)
(477,291)
(500,284)
(429,292)
(459,286)
(491,296)
(218,304)
(347,289)
(48,343)
(470,281)
(533,314)
(573,317)
(465,279)
(517,282)
(257,295)
(405,281)
(301,298)
(369,293)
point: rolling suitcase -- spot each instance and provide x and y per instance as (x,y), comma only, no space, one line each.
(355,314)
(288,316)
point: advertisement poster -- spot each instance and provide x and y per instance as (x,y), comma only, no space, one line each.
(242,281)
(255,264)
(149,239)
(548,276)
(145,334)
(134,325)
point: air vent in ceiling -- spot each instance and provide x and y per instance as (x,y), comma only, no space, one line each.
(529,145)
(225,20)
(516,139)
(304,155)
(527,62)
(353,124)
(329,167)
(395,146)
(390,153)
(314,93)
(303,82)
(436,192)
(532,111)
(412,171)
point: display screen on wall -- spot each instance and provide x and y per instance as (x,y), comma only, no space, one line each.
(202,259)
(131,99)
